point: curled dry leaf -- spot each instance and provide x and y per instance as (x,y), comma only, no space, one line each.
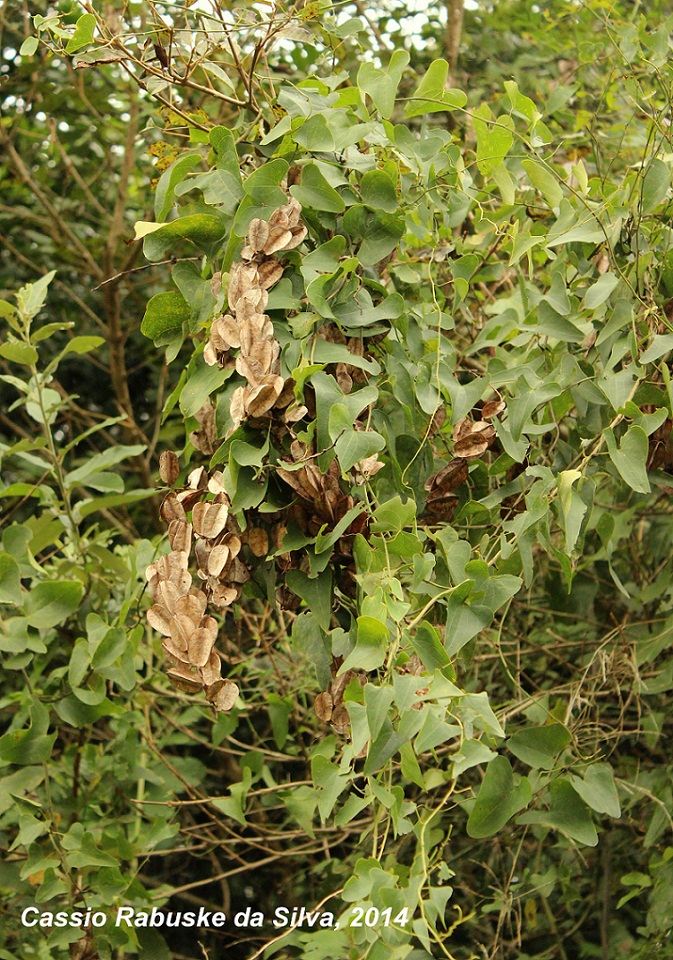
(169,467)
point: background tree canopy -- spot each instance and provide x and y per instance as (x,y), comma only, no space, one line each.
(335,430)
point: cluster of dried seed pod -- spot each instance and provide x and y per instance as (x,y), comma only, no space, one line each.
(247,328)
(179,610)
(329,705)
(471,441)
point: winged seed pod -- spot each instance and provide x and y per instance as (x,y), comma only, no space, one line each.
(179,610)
(246,327)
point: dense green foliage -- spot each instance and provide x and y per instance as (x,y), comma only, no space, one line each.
(405,349)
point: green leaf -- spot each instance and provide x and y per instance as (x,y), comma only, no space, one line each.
(315,192)
(568,813)
(497,800)
(630,458)
(656,182)
(544,180)
(427,643)
(378,191)
(29,47)
(30,746)
(10,580)
(599,291)
(83,35)
(164,316)
(199,229)
(355,445)
(371,646)
(315,592)
(661,344)
(378,232)
(494,138)
(598,789)
(100,461)
(539,746)
(51,602)
(393,515)
(164,196)
(315,135)
(199,386)
(19,353)
(377,85)
(431,95)
(330,783)
(383,748)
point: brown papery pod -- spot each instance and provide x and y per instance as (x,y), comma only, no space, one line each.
(324,706)
(260,400)
(492,408)
(269,273)
(258,234)
(169,467)
(184,680)
(180,535)
(471,447)
(217,560)
(278,239)
(192,606)
(200,646)
(159,618)
(258,541)
(225,697)
(172,508)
